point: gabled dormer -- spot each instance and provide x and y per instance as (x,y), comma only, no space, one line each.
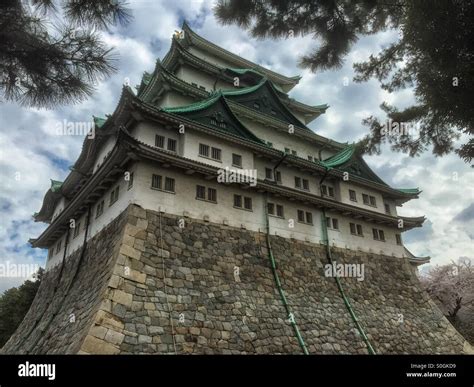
(214,112)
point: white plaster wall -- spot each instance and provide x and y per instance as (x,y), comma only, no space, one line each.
(104,151)
(59,207)
(172,98)
(191,75)
(146,132)
(283,140)
(184,203)
(126,196)
(192,139)
(345,186)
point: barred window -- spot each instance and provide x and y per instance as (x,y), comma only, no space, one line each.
(212,194)
(269,173)
(297,182)
(247,203)
(300,216)
(271,208)
(237,201)
(171,144)
(365,199)
(114,195)
(372,201)
(216,154)
(169,184)
(306,184)
(200,192)
(204,150)
(279,208)
(236,160)
(309,218)
(159,141)
(156,181)
(398,238)
(278,176)
(352,195)
(387,209)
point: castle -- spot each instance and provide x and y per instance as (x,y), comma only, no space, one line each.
(200,217)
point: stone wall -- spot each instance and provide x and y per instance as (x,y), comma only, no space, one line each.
(151,284)
(69,296)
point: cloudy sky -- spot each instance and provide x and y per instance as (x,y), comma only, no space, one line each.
(31,153)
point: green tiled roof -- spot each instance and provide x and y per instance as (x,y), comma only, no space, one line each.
(244,71)
(244,90)
(56,185)
(409,190)
(339,158)
(194,106)
(99,121)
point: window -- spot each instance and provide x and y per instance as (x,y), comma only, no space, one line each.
(271,208)
(156,181)
(204,150)
(352,195)
(310,158)
(279,210)
(297,182)
(77,229)
(278,177)
(200,192)
(169,184)
(171,144)
(270,144)
(372,201)
(309,218)
(58,247)
(269,173)
(130,181)
(378,235)
(236,160)
(216,153)
(398,237)
(194,84)
(287,150)
(99,209)
(387,209)
(369,200)
(202,87)
(356,229)
(333,223)
(159,141)
(237,201)
(327,191)
(212,194)
(114,195)
(306,184)
(293,152)
(365,199)
(247,203)
(300,216)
